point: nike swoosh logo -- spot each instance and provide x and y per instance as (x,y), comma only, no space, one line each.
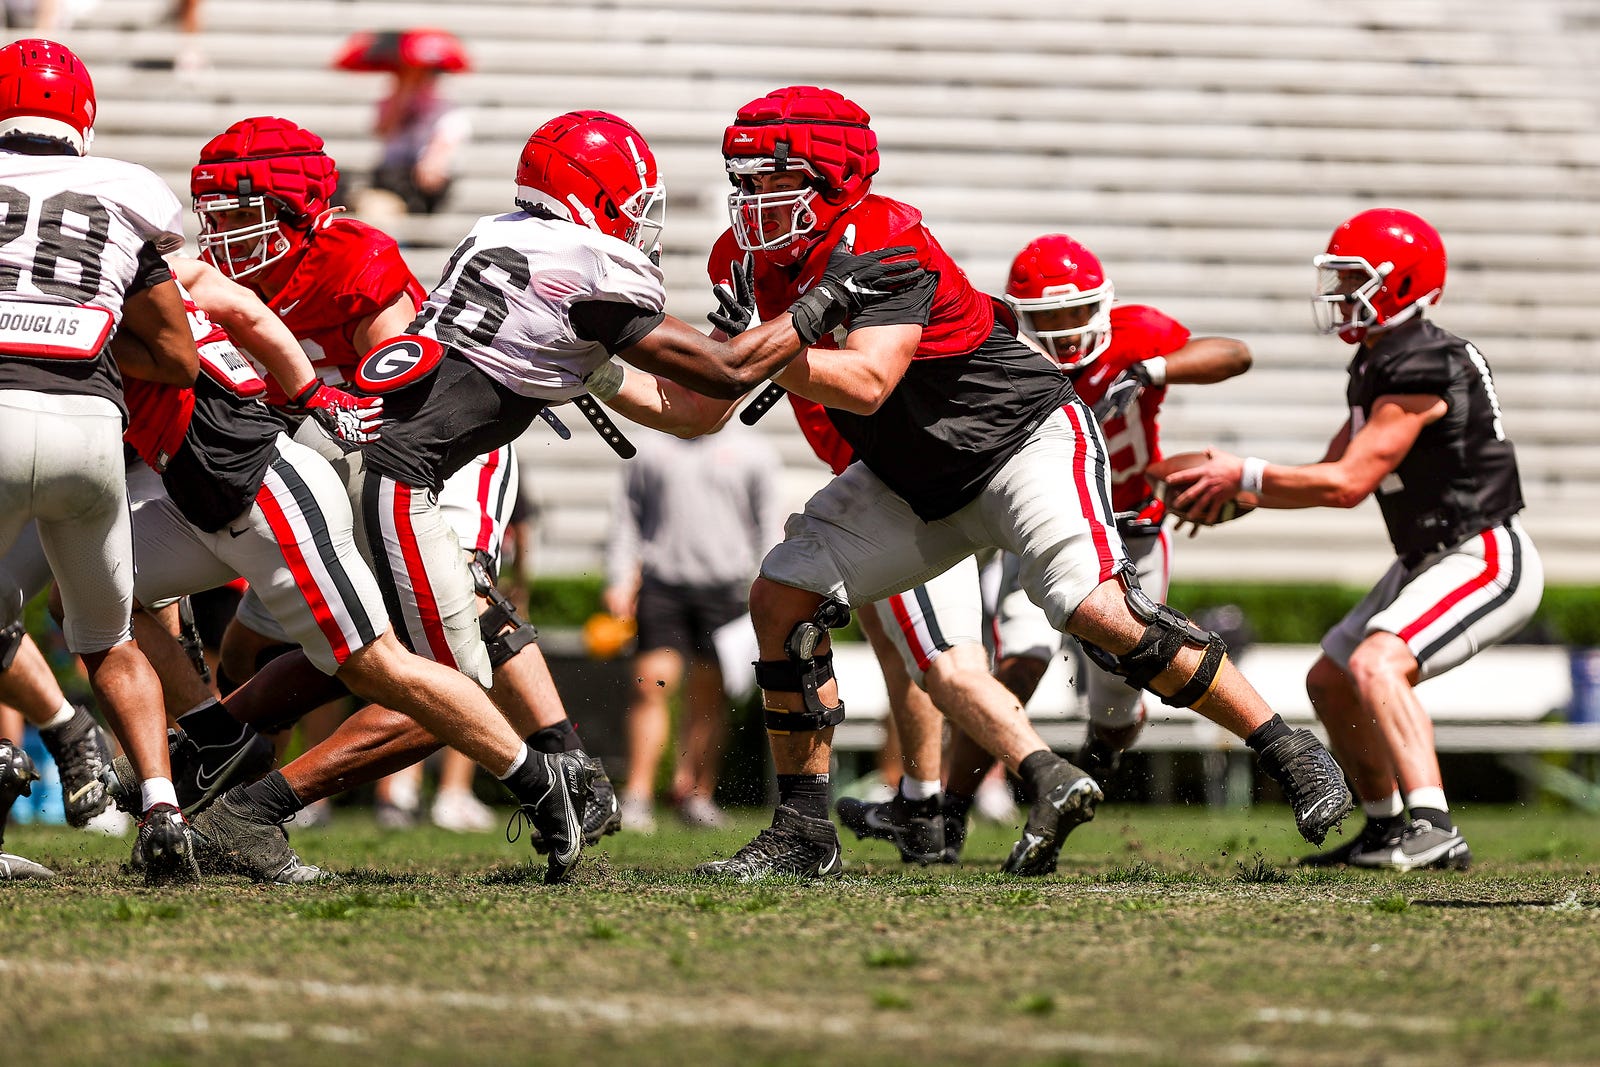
(289,307)
(204,780)
(828,866)
(238,533)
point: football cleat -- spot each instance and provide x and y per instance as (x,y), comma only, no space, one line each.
(1421,845)
(81,752)
(1373,836)
(1067,797)
(166,848)
(602,814)
(199,774)
(15,868)
(233,838)
(1312,782)
(916,827)
(794,845)
(554,809)
(955,831)
(460,811)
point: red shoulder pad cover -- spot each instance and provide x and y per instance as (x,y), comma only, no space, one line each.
(397,363)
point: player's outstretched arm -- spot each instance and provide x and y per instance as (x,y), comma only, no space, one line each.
(1370,455)
(249,322)
(657,402)
(1206,361)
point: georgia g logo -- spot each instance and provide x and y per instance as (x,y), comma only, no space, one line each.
(397,363)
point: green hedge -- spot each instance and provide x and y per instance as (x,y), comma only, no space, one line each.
(1277,613)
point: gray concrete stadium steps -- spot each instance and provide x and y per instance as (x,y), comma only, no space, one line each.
(1203,152)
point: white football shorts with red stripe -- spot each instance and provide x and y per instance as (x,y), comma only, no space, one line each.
(1453,604)
(295,545)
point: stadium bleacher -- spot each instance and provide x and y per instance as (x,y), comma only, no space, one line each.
(1204,153)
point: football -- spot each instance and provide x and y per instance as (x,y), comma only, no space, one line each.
(1159,471)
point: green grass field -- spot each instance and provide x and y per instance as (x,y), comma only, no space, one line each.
(1169,936)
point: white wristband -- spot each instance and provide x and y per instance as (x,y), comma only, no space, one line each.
(1156,368)
(606,380)
(1250,477)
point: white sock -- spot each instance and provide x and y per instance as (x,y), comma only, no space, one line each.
(62,717)
(521,758)
(1429,796)
(1387,808)
(918,788)
(155,791)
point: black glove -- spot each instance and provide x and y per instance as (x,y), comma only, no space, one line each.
(1123,393)
(736,298)
(850,283)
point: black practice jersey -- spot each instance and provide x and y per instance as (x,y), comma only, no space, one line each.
(436,427)
(217,471)
(1460,477)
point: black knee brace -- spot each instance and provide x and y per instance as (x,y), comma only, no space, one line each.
(1167,630)
(804,672)
(10,641)
(189,638)
(505,632)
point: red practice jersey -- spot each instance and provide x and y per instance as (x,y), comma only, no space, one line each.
(348,272)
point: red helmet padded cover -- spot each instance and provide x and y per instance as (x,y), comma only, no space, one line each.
(271,157)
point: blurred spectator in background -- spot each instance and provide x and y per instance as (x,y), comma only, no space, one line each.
(421,131)
(692,522)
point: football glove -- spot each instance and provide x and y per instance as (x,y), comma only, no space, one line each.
(736,299)
(850,283)
(354,420)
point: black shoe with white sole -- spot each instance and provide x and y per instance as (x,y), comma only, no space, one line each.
(552,790)
(916,827)
(17,776)
(1311,780)
(1421,845)
(81,751)
(602,814)
(200,773)
(235,838)
(794,845)
(166,848)
(1066,800)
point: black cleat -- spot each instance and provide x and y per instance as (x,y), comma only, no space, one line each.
(1311,780)
(81,752)
(199,775)
(955,830)
(1100,755)
(915,826)
(1419,846)
(234,839)
(1067,797)
(602,814)
(1373,836)
(554,807)
(166,848)
(794,845)
(17,776)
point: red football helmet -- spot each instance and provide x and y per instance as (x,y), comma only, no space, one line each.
(592,168)
(1382,267)
(802,128)
(1062,298)
(259,188)
(45,91)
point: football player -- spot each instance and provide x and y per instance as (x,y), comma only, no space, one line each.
(262,190)
(83,240)
(532,305)
(1425,435)
(961,435)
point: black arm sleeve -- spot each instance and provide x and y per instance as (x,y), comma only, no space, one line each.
(151,271)
(614,325)
(908,307)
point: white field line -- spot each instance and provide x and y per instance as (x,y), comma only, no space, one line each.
(1354,1020)
(729,1013)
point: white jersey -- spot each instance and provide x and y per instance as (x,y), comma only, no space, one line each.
(70,248)
(506,298)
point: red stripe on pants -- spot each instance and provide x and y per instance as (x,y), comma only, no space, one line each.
(295,560)
(421,591)
(1491,569)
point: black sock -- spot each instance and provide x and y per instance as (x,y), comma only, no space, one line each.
(562,737)
(805,793)
(1439,819)
(1384,825)
(273,797)
(1031,768)
(210,724)
(1267,732)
